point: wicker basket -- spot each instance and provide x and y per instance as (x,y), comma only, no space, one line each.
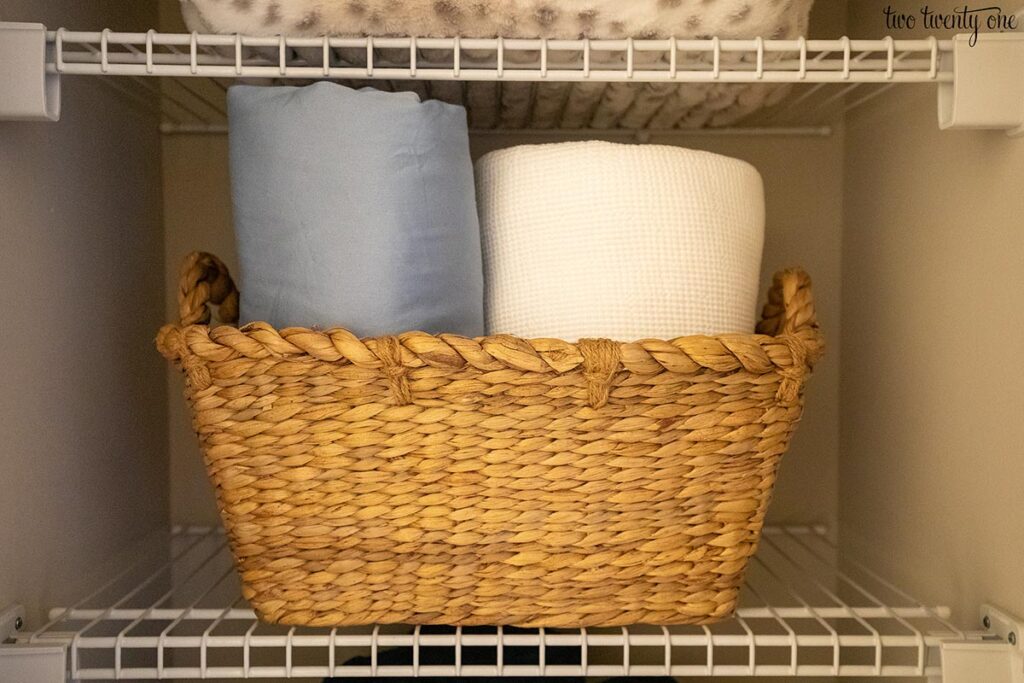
(443,480)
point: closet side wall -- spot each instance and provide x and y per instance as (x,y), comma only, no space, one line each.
(83,455)
(933,312)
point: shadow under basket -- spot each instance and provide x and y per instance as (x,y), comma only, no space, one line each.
(426,479)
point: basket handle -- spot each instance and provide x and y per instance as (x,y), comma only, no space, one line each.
(204,281)
(790,313)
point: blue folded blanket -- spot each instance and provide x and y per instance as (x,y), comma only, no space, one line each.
(354,208)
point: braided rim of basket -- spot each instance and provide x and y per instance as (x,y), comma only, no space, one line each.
(788,341)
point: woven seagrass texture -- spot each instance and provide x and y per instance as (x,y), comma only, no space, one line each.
(442,480)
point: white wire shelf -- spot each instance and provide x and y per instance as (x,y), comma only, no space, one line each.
(477,73)
(663,86)
(495,59)
(179,614)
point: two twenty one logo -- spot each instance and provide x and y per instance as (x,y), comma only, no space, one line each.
(964,19)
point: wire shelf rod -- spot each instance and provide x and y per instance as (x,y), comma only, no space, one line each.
(111,53)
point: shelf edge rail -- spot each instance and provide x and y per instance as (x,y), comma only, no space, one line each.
(976,84)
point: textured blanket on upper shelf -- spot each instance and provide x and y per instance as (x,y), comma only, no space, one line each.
(553,105)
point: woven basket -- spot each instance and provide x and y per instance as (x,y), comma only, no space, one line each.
(443,480)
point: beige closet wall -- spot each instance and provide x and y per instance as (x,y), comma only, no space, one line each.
(83,453)
(932,468)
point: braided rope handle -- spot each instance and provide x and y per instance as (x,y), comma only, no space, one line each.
(789,312)
(204,281)
(790,305)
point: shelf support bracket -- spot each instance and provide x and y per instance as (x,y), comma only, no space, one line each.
(987,90)
(996,655)
(28,91)
(22,661)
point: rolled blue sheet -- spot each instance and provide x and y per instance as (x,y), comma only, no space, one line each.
(355,209)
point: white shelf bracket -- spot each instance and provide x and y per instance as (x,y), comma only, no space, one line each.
(987,90)
(12,620)
(28,92)
(45,663)
(994,656)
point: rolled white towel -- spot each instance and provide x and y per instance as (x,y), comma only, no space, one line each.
(594,239)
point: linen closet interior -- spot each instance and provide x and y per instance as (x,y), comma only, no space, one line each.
(896,523)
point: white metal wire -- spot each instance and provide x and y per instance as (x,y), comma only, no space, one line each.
(179,614)
(815,63)
(641,135)
(218,55)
